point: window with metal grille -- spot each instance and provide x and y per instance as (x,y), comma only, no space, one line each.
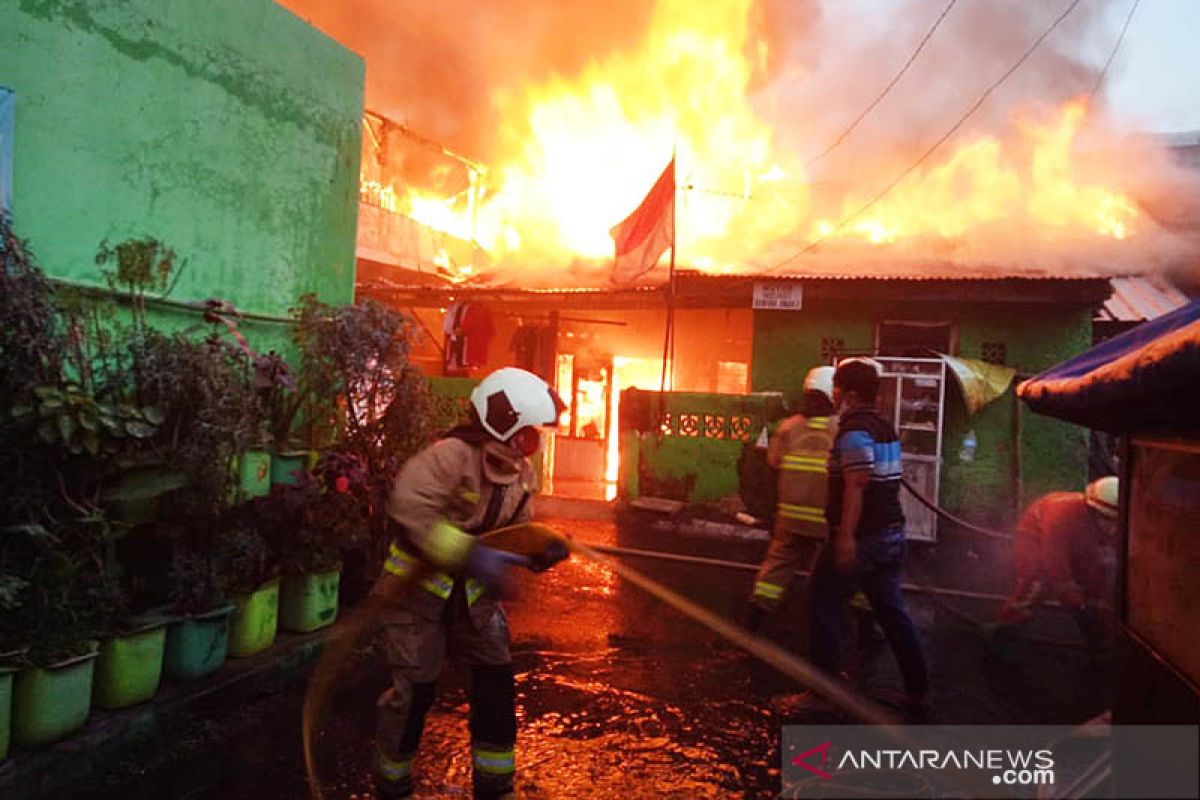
(993,352)
(831,348)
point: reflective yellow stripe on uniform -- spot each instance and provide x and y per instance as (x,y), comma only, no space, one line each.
(804,463)
(398,562)
(495,762)
(474,591)
(402,564)
(769,591)
(394,769)
(805,513)
(818,423)
(439,584)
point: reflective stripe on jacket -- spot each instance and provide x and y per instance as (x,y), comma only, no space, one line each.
(438,584)
(803,451)
(442,489)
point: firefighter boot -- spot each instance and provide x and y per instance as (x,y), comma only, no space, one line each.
(394,759)
(493,727)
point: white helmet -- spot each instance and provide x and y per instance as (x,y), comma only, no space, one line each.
(1103,494)
(820,379)
(510,399)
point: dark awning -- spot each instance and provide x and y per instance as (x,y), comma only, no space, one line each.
(1146,380)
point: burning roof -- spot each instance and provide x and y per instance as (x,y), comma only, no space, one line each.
(542,125)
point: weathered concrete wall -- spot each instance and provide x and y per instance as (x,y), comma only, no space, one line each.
(228,129)
(1053,454)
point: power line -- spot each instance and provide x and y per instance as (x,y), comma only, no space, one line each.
(932,148)
(879,98)
(1120,39)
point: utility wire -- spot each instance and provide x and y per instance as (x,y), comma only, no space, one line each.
(1120,40)
(841,137)
(886,90)
(932,148)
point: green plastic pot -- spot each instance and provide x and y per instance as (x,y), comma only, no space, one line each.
(286,468)
(6,690)
(130,667)
(309,602)
(197,645)
(255,620)
(254,473)
(48,703)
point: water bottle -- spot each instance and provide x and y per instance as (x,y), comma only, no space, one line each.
(967,454)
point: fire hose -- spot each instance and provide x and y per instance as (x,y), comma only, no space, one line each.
(946,515)
(365,620)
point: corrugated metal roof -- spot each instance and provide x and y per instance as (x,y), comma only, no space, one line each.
(477,286)
(928,274)
(1139,298)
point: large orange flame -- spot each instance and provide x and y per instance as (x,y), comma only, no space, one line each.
(982,183)
(580,153)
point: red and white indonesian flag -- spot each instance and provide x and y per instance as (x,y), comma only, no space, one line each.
(643,236)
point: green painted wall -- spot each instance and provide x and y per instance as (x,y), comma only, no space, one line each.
(228,129)
(697,460)
(1053,454)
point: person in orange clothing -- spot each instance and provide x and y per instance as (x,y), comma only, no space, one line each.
(1059,550)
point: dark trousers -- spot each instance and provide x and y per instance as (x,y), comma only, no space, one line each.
(878,575)
(415,648)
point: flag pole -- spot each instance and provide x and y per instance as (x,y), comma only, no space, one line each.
(669,337)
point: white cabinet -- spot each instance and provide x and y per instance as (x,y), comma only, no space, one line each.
(912,395)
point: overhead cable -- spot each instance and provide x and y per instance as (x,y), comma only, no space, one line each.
(841,137)
(932,148)
(1116,47)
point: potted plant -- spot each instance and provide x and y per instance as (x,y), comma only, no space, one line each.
(130,662)
(198,638)
(280,400)
(205,389)
(12,589)
(252,577)
(95,436)
(362,392)
(67,599)
(311,525)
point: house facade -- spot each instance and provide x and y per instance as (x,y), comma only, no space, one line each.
(735,367)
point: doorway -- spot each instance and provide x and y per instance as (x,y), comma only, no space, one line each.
(577,460)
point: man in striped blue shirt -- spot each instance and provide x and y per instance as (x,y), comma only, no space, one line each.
(866,531)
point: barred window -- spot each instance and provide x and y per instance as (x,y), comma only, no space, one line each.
(994,352)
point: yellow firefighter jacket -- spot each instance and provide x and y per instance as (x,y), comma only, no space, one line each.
(800,449)
(442,493)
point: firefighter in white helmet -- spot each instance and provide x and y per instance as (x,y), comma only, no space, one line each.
(799,450)
(446,584)
(1059,552)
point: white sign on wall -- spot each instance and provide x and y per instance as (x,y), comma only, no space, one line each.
(778,296)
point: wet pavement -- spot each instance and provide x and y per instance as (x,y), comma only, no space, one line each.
(618,697)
